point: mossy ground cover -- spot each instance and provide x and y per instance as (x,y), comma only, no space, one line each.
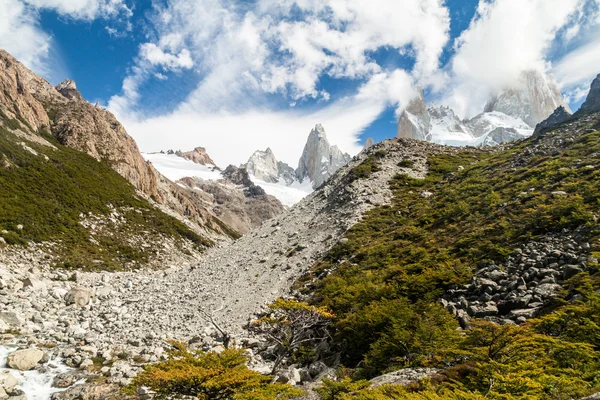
(384,282)
(47,197)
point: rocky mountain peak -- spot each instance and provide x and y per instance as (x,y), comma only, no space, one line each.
(414,121)
(68,88)
(319,159)
(198,156)
(559,116)
(533,98)
(592,102)
(264,166)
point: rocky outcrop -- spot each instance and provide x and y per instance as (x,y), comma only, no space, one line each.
(533,98)
(242,210)
(414,121)
(263,165)
(592,102)
(443,118)
(95,131)
(319,159)
(68,88)
(368,143)
(527,282)
(198,156)
(501,135)
(559,116)
(21,91)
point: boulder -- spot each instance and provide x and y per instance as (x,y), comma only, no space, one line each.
(78,296)
(34,284)
(404,376)
(24,360)
(11,319)
(7,381)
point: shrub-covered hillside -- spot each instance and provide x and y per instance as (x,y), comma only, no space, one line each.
(384,281)
(90,216)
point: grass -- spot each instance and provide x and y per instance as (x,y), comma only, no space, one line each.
(49,197)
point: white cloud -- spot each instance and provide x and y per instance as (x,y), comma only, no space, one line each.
(19,21)
(83,9)
(230,138)
(505,38)
(156,56)
(22,35)
(243,54)
(580,65)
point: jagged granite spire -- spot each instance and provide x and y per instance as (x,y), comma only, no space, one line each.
(533,98)
(319,159)
(368,143)
(414,121)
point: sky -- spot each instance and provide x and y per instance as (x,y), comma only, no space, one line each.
(235,76)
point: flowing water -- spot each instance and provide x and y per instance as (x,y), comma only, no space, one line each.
(35,385)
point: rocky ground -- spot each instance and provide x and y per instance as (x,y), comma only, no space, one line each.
(112,323)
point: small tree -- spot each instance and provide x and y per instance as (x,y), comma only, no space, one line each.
(292,326)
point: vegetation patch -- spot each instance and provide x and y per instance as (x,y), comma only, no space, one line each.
(384,282)
(45,198)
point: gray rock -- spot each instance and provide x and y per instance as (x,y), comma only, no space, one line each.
(78,296)
(24,360)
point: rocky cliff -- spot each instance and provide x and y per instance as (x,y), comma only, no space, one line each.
(414,121)
(533,98)
(319,159)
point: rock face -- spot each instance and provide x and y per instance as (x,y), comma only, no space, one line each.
(20,91)
(263,165)
(592,102)
(532,99)
(68,88)
(559,116)
(319,159)
(198,156)
(95,131)
(414,121)
(443,118)
(24,360)
(243,209)
(501,135)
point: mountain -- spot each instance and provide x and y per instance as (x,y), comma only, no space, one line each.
(368,143)
(532,99)
(264,166)
(559,116)
(319,159)
(75,189)
(198,156)
(228,194)
(511,114)
(414,121)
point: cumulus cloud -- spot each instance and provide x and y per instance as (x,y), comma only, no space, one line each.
(283,48)
(505,38)
(22,35)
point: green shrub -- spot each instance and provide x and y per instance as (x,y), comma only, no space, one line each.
(209,376)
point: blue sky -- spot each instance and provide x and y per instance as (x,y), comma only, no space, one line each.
(235,76)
